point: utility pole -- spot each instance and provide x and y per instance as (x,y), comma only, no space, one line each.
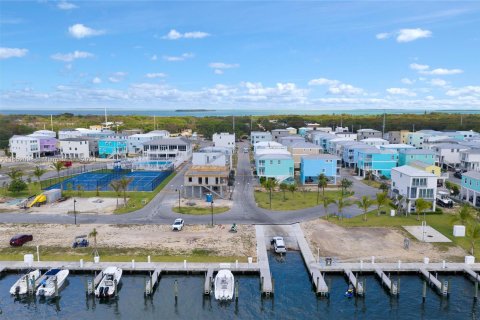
(154,123)
(233,123)
(105,116)
(51,121)
(383,125)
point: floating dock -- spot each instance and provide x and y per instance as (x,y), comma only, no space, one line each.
(442,287)
(152,281)
(262,261)
(392,287)
(359,289)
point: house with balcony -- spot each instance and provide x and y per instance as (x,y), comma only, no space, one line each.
(227,152)
(112,148)
(136,141)
(78,148)
(24,147)
(379,162)
(368,133)
(470,160)
(172,149)
(470,190)
(277,133)
(224,139)
(412,184)
(436,170)
(299,149)
(200,180)
(321,139)
(259,136)
(408,155)
(448,154)
(275,165)
(48,144)
(335,146)
(349,156)
(311,166)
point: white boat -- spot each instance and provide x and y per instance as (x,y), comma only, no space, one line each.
(27,281)
(108,284)
(224,285)
(51,281)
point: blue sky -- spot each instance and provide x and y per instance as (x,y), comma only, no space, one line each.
(224,54)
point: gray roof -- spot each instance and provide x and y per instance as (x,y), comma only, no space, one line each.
(303,144)
(167,141)
(323,156)
(367,130)
(78,139)
(472,174)
(450,146)
(417,151)
(275,156)
(411,171)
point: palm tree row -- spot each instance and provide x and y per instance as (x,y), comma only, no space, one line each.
(119,186)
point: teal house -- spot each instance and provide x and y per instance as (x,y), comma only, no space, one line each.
(409,155)
(311,166)
(379,162)
(277,166)
(470,191)
(112,148)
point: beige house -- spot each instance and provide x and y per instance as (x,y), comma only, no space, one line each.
(300,149)
(200,180)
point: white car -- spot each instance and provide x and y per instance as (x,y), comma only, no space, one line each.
(178,225)
(279,245)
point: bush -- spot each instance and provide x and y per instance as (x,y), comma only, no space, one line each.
(17,186)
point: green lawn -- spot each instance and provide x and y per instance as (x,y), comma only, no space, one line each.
(441,222)
(199,210)
(115,255)
(295,201)
(372,183)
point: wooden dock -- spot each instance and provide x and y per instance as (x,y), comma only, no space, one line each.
(359,289)
(473,275)
(392,287)
(262,261)
(152,281)
(318,280)
(441,287)
(208,282)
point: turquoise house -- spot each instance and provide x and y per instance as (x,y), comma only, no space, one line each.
(408,155)
(112,147)
(311,166)
(379,162)
(278,166)
(470,191)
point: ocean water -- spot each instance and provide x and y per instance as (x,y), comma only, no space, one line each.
(293,299)
(225,112)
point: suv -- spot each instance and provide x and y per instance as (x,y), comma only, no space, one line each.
(279,245)
(178,225)
(20,239)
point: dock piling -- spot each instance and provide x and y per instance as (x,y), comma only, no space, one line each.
(424,291)
(175,290)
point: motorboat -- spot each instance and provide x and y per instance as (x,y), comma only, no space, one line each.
(26,282)
(224,285)
(110,279)
(51,282)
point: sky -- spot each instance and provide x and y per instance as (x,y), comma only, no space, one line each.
(285,55)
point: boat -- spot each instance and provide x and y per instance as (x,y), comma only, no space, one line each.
(26,282)
(110,279)
(51,282)
(350,292)
(224,285)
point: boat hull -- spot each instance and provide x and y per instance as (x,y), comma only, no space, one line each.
(20,287)
(224,285)
(46,287)
(109,283)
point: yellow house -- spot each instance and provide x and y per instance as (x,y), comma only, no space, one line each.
(404,136)
(426,167)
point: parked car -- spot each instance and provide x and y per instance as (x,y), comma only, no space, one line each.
(458,174)
(278,245)
(443,200)
(178,225)
(20,239)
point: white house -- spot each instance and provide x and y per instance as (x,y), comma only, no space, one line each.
(259,136)
(375,142)
(75,148)
(412,184)
(210,159)
(174,149)
(470,159)
(448,154)
(345,134)
(368,133)
(224,139)
(136,141)
(24,147)
(48,133)
(228,152)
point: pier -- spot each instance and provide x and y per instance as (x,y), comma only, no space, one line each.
(474,276)
(152,281)
(208,282)
(358,286)
(392,287)
(262,261)
(442,287)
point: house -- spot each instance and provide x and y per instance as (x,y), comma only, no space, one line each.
(274,165)
(24,147)
(408,155)
(136,141)
(374,142)
(470,160)
(268,145)
(201,180)
(112,148)
(277,133)
(48,144)
(395,137)
(303,131)
(342,129)
(417,139)
(175,149)
(82,132)
(379,162)
(299,149)
(290,139)
(210,159)
(224,139)
(335,146)
(448,154)
(321,139)
(78,148)
(436,170)
(396,146)
(345,134)
(470,190)
(368,133)
(311,166)
(412,184)
(350,152)
(259,136)
(292,130)
(47,133)
(130,132)
(227,152)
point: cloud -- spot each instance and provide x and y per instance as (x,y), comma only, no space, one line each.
(425,69)
(69,57)
(63,5)
(218,71)
(175,35)
(383,35)
(405,35)
(407,81)
(182,57)
(468,90)
(438,82)
(154,57)
(80,31)
(419,67)
(117,77)
(6,53)
(221,66)
(155,75)
(96,80)
(401,91)
(336,87)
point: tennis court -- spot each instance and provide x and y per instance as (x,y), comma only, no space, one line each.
(100,180)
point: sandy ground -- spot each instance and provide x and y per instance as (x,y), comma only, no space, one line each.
(354,244)
(94,205)
(156,237)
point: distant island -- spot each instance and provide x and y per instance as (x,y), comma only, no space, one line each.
(194,110)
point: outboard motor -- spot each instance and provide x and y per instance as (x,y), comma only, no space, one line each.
(17,290)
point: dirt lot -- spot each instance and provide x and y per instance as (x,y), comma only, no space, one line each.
(156,237)
(353,244)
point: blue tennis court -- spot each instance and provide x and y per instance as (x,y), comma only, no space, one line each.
(100,180)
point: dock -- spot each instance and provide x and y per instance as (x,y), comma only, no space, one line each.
(262,261)
(152,281)
(318,280)
(474,276)
(208,282)
(386,281)
(2,268)
(357,285)
(442,288)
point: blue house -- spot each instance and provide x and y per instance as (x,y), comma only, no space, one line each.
(278,166)
(470,191)
(311,166)
(112,147)
(408,155)
(379,162)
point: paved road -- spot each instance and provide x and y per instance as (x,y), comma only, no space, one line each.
(159,210)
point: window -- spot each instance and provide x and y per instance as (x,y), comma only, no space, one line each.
(279,161)
(271,161)
(189,179)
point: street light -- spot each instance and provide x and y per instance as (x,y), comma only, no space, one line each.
(211,205)
(179,189)
(75,211)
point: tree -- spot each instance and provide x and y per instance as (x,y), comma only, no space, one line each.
(292,188)
(58,166)
(345,184)
(365,203)
(326,203)
(270,185)
(381,200)
(17,186)
(38,172)
(369,175)
(124,182)
(341,204)
(94,234)
(15,174)
(322,183)
(473,234)
(79,189)
(116,187)
(421,206)
(284,187)
(383,187)
(464,215)
(455,190)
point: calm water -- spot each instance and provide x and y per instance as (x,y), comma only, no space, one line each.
(226,112)
(293,300)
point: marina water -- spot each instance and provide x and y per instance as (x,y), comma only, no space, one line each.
(294,299)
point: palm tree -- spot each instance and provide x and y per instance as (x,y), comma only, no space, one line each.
(421,205)
(473,235)
(381,200)
(124,182)
(341,203)
(365,203)
(326,203)
(322,183)
(383,187)
(116,187)
(38,172)
(292,188)
(58,166)
(464,215)
(284,187)
(94,234)
(345,184)
(15,174)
